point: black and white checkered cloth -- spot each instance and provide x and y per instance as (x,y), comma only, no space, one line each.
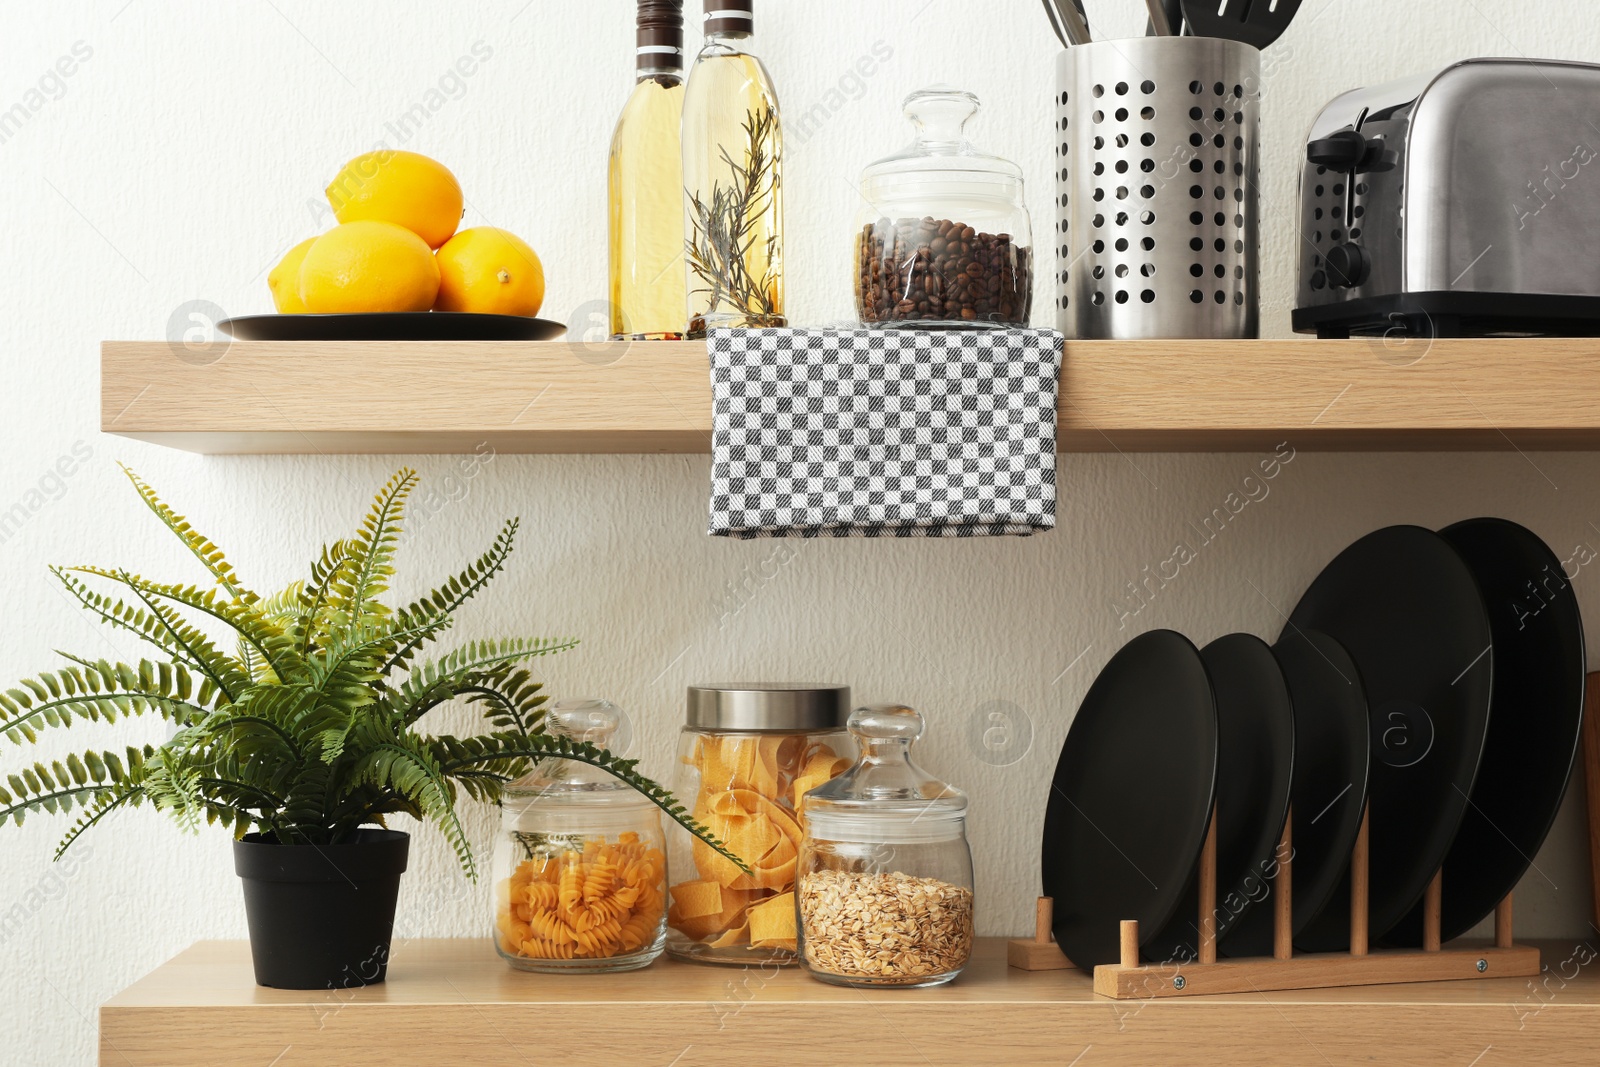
(883,433)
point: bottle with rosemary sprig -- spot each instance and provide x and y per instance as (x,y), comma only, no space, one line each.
(732,175)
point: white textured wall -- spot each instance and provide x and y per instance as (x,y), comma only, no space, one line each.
(177,162)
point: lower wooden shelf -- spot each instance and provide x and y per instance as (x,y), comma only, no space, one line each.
(453,1002)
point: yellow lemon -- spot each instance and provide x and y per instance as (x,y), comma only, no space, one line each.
(491,272)
(404,188)
(368,266)
(284,280)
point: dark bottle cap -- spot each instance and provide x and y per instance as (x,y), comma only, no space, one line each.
(659,39)
(729,16)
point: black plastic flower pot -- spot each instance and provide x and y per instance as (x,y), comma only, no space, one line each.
(321,916)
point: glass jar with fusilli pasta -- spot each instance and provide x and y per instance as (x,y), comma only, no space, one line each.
(580,869)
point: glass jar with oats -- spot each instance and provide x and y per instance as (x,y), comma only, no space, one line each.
(884,888)
(748,755)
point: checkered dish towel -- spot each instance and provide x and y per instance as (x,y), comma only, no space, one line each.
(883,433)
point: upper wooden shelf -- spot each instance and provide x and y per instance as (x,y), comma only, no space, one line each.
(455,1002)
(557,396)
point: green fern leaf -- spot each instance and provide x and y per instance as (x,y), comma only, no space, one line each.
(206,552)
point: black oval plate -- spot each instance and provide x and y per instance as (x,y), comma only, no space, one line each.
(1255,764)
(1408,610)
(1533,734)
(391,326)
(1329,793)
(1131,797)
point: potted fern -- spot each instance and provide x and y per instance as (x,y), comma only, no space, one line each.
(304,738)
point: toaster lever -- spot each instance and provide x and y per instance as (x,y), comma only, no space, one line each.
(1342,150)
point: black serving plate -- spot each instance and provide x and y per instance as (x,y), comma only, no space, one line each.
(1255,763)
(1407,608)
(1533,734)
(391,326)
(1131,798)
(1329,793)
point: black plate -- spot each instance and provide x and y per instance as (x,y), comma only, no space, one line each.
(1533,734)
(1331,742)
(1255,763)
(391,326)
(1131,797)
(1408,610)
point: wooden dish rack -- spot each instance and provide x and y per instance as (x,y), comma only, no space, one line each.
(1131,979)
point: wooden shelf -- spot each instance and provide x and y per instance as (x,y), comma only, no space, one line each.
(556,396)
(455,1002)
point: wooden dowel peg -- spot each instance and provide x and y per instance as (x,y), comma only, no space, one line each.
(1040,952)
(1208,894)
(1283,894)
(1430,912)
(1502,923)
(1359,882)
(1130,942)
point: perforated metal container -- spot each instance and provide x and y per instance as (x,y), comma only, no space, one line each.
(1156,181)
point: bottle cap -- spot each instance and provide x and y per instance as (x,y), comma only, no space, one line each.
(659,38)
(730,16)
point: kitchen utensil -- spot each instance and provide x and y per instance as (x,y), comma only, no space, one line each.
(1257,23)
(1408,610)
(391,326)
(1533,733)
(1156,157)
(1071,25)
(1328,792)
(1131,797)
(1414,222)
(1162,23)
(1255,762)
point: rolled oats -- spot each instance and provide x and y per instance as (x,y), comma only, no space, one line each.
(888,928)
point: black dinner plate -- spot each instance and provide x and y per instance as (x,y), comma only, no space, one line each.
(1255,763)
(391,326)
(1328,793)
(1131,797)
(1533,734)
(1408,610)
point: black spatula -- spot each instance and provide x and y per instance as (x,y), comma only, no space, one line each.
(1255,22)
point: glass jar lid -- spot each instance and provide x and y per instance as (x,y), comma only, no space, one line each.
(942,153)
(800,707)
(557,782)
(885,796)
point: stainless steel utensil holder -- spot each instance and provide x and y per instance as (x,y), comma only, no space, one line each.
(1157,190)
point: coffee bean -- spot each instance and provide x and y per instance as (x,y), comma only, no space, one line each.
(941,270)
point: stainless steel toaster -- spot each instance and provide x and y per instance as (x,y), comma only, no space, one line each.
(1464,202)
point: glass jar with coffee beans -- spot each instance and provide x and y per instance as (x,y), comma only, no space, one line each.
(944,240)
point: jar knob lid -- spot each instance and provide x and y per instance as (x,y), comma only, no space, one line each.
(584,719)
(940,113)
(885,722)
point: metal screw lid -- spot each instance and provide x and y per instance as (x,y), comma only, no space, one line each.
(760,706)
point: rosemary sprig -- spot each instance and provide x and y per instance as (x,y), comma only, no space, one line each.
(727,228)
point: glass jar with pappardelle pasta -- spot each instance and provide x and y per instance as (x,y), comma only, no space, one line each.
(885,873)
(580,868)
(748,755)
